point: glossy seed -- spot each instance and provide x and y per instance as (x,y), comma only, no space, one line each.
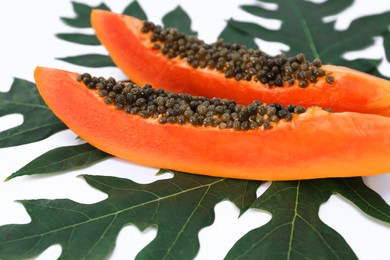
(171,119)
(302,83)
(236,124)
(289,117)
(208,121)
(329,79)
(245,125)
(202,109)
(181,119)
(222,125)
(271,111)
(108,100)
(163,120)
(299,110)
(144,114)
(267,124)
(282,113)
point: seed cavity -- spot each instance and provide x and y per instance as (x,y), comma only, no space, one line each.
(171,108)
(236,61)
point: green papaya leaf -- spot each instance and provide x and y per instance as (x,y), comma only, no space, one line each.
(386,43)
(179,19)
(366,65)
(82,20)
(62,159)
(233,34)
(363,197)
(83,15)
(134,9)
(305,32)
(90,60)
(296,231)
(79,38)
(38,120)
(179,207)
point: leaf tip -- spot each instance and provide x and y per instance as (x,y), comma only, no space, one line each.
(8,178)
(161,171)
(81,176)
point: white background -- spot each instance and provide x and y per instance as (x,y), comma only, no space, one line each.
(27,32)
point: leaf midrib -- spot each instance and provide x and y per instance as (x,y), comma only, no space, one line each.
(293,221)
(28,130)
(23,104)
(306,31)
(62,162)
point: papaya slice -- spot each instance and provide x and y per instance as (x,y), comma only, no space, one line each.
(144,54)
(120,119)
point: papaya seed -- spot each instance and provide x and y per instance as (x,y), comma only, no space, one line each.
(236,124)
(267,124)
(171,119)
(299,110)
(163,120)
(329,79)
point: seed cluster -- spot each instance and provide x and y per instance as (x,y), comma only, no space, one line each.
(236,61)
(173,108)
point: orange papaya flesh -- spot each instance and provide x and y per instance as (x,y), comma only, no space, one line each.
(314,144)
(341,89)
